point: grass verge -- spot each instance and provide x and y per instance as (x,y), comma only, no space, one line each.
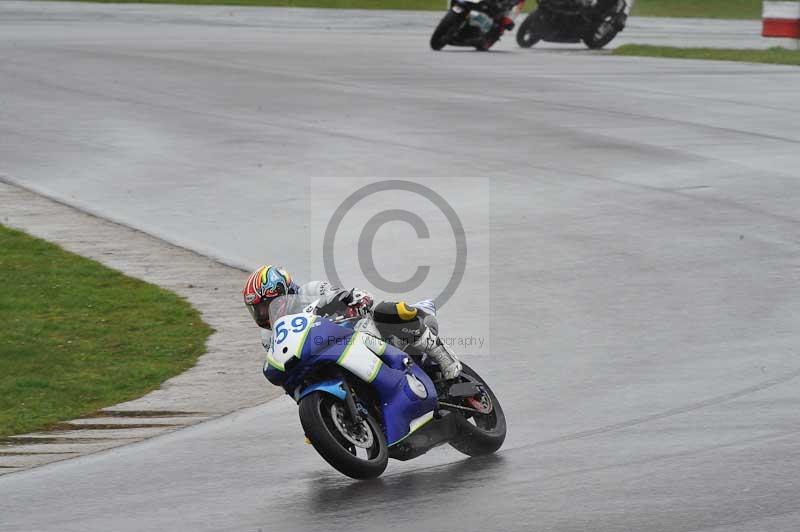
(738,9)
(731,9)
(76,336)
(776,56)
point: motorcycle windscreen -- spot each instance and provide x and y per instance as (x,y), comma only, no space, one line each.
(291,304)
(292,318)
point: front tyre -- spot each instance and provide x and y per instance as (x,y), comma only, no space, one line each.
(480,434)
(357,450)
(447,29)
(530,31)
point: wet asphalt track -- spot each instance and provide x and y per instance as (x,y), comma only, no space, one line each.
(644,233)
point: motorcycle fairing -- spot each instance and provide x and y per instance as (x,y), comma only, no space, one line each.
(406,393)
(334,387)
(425,437)
(281,351)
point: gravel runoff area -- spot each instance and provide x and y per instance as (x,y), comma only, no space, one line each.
(226,378)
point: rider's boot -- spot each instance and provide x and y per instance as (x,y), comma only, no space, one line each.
(430,344)
(415,325)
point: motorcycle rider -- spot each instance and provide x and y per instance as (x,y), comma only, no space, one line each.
(396,322)
(502,23)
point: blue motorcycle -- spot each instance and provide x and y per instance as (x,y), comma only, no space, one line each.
(363,401)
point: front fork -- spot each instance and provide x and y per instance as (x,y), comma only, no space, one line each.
(355,414)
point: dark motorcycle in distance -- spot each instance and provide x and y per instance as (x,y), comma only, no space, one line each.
(571,21)
(475,23)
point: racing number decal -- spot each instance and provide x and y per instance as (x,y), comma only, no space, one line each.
(285,345)
(298,323)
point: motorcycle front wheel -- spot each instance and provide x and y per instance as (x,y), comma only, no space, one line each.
(357,450)
(480,434)
(530,32)
(447,29)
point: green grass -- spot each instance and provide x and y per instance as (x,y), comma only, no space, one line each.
(740,9)
(76,336)
(776,56)
(737,9)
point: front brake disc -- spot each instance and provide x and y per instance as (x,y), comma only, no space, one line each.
(359,434)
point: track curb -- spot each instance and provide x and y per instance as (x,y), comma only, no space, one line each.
(225,379)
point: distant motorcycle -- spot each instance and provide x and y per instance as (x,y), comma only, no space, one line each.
(362,401)
(475,23)
(572,21)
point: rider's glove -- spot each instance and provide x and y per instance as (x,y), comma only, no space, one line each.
(359,302)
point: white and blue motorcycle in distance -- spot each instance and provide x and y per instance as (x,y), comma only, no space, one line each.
(362,401)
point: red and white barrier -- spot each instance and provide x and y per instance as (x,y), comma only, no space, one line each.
(782,20)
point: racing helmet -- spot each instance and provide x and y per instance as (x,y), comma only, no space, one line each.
(262,287)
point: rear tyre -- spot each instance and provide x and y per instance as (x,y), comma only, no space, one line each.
(604,32)
(356,450)
(530,31)
(480,434)
(447,29)
(594,43)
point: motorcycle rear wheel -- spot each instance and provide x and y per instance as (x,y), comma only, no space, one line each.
(448,27)
(480,434)
(326,424)
(594,41)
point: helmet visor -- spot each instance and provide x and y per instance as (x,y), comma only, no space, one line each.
(260,313)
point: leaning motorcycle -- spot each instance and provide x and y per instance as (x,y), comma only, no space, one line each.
(475,23)
(569,21)
(362,401)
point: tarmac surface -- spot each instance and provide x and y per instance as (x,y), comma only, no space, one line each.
(643,238)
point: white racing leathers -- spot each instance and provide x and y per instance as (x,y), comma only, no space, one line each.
(415,325)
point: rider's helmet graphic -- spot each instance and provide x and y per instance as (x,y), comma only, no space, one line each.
(264,285)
